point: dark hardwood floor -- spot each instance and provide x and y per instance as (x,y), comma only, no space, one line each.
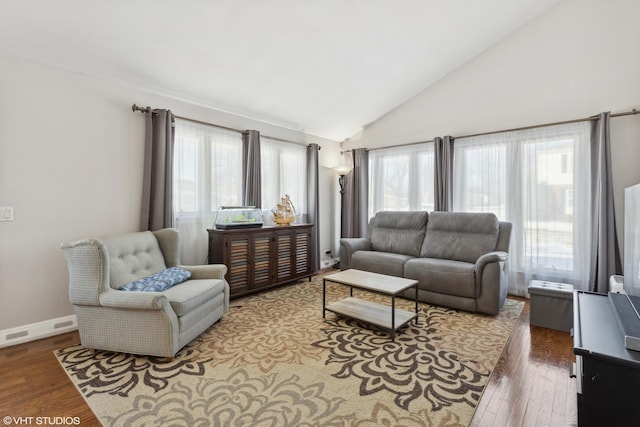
(529,387)
(33,384)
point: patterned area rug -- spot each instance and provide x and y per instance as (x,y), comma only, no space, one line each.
(274,361)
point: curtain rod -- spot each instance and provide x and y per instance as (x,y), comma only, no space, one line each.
(564,122)
(148,109)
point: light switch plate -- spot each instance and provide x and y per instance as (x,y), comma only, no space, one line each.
(6,213)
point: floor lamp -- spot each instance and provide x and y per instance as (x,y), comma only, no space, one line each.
(342,170)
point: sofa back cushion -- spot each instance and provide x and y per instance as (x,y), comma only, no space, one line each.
(460,236)
(398,232)
(133,256)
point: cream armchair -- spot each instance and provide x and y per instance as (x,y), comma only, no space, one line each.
(139,322)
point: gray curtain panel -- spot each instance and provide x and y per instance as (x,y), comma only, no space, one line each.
(443,170)
(313,202)
(355,201)
(157,182)
(252,188)
(605,253)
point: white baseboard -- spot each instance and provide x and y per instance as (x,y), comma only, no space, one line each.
(36,331)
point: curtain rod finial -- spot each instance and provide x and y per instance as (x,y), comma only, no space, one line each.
(135,108)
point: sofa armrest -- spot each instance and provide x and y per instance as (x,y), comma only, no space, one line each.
(207,271)
(496,256)
(353,244)
(491,282)
(348,246)
(133,300)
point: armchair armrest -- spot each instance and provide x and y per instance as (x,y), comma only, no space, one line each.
(89,264)
(133,300)
(207,271)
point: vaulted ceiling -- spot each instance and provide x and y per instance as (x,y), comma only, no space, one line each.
(327,68)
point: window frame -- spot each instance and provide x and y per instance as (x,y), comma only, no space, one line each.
(206,139)
(411,156)
(282,148)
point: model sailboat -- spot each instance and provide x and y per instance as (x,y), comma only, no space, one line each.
(284,213)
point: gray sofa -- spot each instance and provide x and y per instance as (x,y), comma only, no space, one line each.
(141,322)
(458,258)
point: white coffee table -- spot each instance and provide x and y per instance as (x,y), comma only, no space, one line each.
(383,316)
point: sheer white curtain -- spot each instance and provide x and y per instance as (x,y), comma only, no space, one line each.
(539,180)
(207,175)
(284,171)
(401,178)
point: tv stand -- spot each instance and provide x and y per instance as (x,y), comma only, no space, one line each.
(607,373)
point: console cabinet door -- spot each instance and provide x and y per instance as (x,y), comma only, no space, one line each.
(248,257)
(284,256)
(302,252)
(236,257)
(261,260)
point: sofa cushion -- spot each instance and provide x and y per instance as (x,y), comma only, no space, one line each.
(443,276)
(159,281)
(380,262)
(460,236)
(398,232)
(193,293)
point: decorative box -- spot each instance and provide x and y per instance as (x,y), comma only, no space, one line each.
(551,305)
(232,217)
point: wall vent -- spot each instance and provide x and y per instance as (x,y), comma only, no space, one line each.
(16,335)
(36,331)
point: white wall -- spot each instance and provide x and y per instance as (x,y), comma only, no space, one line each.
(70,165)
(578,59)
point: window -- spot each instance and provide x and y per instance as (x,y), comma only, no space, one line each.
(207,174)
(207,168)
(539,180)
(401,178)
(284,171)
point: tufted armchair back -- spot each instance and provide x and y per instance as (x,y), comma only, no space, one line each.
(133,256)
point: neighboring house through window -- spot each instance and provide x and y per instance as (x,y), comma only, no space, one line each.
(539,180)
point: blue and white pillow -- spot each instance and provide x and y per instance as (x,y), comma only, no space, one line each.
(159,281)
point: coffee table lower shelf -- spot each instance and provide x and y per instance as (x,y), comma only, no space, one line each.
(372,313)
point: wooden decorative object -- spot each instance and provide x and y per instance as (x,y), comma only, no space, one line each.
(284,213)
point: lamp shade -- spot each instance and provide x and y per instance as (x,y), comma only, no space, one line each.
(342,170)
